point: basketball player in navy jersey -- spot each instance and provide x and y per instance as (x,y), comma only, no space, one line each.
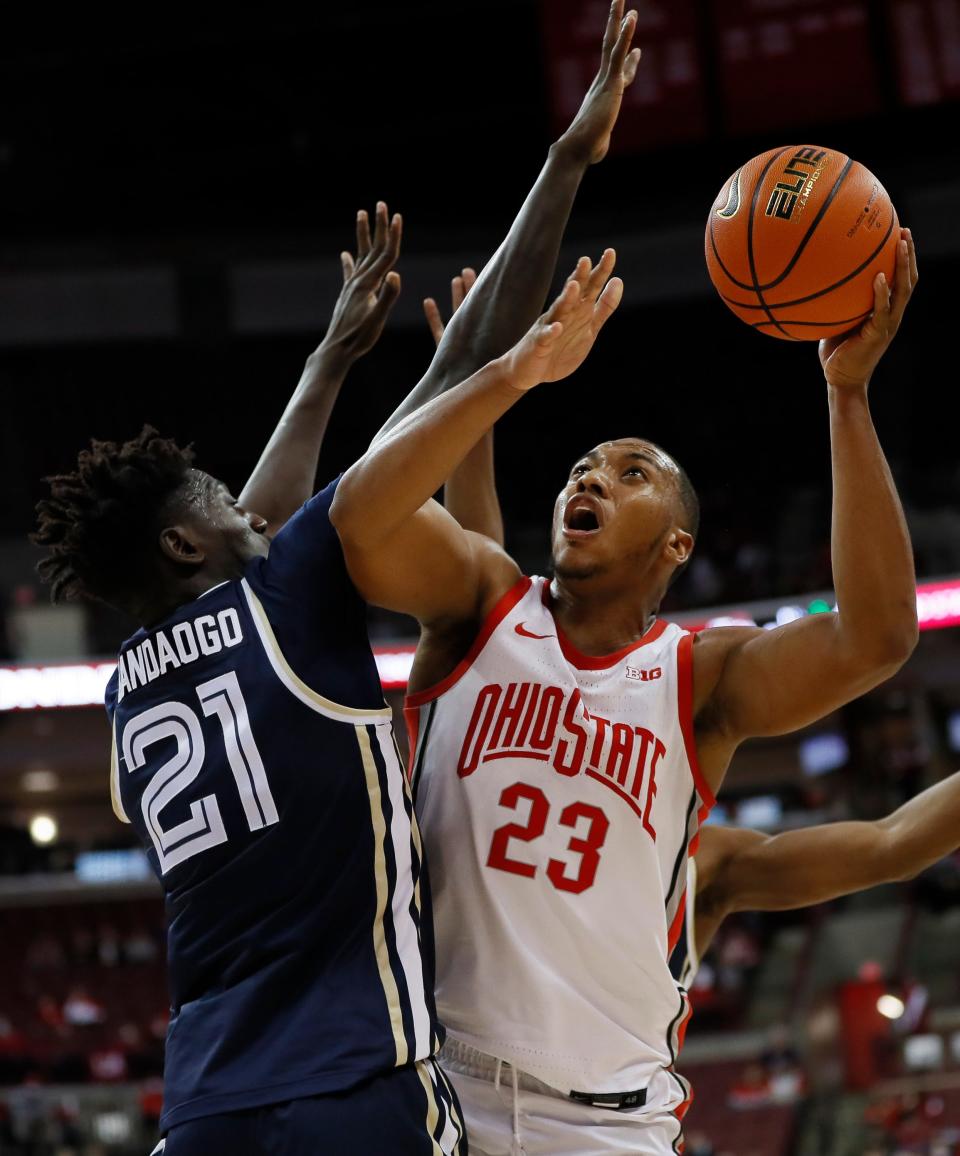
(295,940)
(624,523)
(253,753)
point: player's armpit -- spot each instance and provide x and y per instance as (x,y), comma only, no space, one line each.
(432,569)
(751,871)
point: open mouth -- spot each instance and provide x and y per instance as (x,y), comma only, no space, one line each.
(581,519)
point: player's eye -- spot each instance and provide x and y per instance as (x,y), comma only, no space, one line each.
(578,470)
(636,470)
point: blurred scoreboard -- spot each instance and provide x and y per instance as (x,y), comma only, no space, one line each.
(756,66)
(666,101)
(784,62)
(926,34)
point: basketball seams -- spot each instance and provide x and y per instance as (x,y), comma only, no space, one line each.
(801,264)
(750,255)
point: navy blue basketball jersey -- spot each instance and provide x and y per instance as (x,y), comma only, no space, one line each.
(254,754)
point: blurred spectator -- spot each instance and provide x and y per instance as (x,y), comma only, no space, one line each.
(108,1065)
(108,945)
(83,946)
(151,1102)
(81,1010)
(140,947)
(751,1089)
(699,1145)
(49,1012)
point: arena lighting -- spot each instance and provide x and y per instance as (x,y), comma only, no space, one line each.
(83,683)
(891,1006)
(43,829)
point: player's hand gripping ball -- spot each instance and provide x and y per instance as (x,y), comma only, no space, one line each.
(795,240)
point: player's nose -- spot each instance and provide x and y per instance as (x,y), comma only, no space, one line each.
(257,522)
(592,482)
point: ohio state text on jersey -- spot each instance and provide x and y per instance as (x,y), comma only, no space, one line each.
(559,798)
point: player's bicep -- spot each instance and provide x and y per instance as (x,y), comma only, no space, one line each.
(800,868)
(430,568)
(772,682)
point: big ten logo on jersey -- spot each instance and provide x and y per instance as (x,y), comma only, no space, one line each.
(796,183)
(549,725)
(638,674)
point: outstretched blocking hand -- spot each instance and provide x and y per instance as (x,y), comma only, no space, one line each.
(591,128)
(370,287)
(559,341)
(849,360)
(460,286)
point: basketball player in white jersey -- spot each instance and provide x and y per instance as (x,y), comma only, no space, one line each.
(567,743)
(735,868)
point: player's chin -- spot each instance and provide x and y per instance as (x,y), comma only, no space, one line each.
(578,561)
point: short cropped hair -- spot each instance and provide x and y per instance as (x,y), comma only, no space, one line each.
(99,523)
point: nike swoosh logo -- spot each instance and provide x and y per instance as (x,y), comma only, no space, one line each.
(524,633)
(733,197)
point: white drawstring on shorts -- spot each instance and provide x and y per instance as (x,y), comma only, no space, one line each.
(516,1148)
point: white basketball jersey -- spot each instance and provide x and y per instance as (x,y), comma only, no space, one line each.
(559,798)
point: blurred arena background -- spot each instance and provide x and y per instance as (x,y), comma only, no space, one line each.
(173,198)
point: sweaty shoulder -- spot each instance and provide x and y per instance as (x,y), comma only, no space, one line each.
(445,642)
(711,649)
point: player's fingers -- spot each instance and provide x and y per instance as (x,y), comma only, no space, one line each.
(600,273)
(547,333)
(389,292)
(380,227)
(363,234)
(581,273)
(469,279)
(612,29)
(346,261)
(457,293)
(902,286)
(912,255)
(432,313)
(389,250)
(609,300)
(618,56)
(565,303)
(630,66)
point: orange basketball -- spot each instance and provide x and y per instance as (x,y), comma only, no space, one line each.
(795,239)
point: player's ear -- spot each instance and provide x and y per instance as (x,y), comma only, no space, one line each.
(679,546)
(177,545)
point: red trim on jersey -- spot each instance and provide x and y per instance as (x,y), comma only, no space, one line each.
(490,624)
(594,661)
(411,716)
(677,926)
(685,708)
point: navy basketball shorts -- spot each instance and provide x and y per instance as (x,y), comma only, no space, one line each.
(409,1111)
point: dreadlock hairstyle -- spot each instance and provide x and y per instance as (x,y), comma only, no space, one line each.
(99,521)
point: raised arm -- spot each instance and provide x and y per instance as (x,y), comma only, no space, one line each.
(403,550)
(760,682)
(513,286)
(748,871)
(284,477)
(470,493)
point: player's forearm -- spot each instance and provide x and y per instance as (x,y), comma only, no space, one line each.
(872,555)
(923,830)
(285,475)
(470,493)
(406,467)
(510,292)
